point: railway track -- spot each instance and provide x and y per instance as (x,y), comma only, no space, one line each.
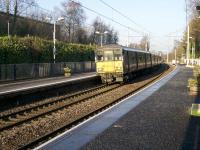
(73,112)
(34,111)
(28,107)
(89,114)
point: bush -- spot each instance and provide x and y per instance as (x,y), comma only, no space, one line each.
(196,71)
(194,82)
(36,50)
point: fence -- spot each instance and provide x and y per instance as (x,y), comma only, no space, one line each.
(192,62)
(12,72)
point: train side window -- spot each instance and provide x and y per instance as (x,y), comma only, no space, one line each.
(139,58)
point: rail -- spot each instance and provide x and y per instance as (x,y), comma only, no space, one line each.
(19,117)
(70,124)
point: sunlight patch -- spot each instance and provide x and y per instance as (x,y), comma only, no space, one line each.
(195,110)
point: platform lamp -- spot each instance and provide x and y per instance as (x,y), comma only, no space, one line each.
(101,34)
(54,38)
(54,35)
(8,29)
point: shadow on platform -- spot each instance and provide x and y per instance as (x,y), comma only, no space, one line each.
(192,136)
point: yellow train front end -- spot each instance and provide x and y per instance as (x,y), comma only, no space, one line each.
(109,64)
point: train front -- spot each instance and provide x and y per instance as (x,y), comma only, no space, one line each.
(109,64)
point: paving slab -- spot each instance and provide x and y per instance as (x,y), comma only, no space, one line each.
(161,122)
(40,83)
(157,117)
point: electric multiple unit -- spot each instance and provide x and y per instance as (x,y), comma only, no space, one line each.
(116,63)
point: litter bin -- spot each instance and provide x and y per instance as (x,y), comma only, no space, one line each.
(67,72)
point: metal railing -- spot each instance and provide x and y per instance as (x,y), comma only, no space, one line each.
(11,72)
(192,62)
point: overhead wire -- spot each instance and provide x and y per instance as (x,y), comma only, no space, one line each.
(123,15)
(111,19)
(108,18)
(131,20)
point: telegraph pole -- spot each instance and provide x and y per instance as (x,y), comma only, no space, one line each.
(167,56)
(175,55)
(128,38)
(188,45)
(188,35)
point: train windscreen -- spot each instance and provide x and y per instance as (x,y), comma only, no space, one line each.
(117,55)
(108,55)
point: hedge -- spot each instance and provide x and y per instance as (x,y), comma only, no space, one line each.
(15,50)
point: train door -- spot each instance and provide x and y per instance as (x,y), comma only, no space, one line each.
(118,60)
(134,63)
(136,58)
(99,61)
(145,60)
(149,60)
(125,61)
(140,62)
(109,61)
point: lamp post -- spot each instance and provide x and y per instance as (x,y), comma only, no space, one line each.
(54,38)
(193,51)
(128,38)
(167,56)
(8,28)
(101,34)
(188,45)
(198,11)
(188,36)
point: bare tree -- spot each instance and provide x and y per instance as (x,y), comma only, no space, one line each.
(74,19)
(110,38)
(134,45)
(144,43)
(16,8)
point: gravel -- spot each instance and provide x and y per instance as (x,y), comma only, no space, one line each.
(20,135)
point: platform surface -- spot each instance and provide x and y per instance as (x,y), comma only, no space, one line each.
(157,118)
(32,84)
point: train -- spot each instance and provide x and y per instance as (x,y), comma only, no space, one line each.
(116,63)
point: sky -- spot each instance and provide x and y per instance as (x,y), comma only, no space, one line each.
(163,20)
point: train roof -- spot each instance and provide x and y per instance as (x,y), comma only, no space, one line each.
(135,50)
(122,47)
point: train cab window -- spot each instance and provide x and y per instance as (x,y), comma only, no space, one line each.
(99,55)
(108,55)
(117,54)
(118,57)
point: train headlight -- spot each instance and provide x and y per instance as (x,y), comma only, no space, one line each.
(99,69)
(118,68)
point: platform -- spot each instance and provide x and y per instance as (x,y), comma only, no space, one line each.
(17,87)
(157,117)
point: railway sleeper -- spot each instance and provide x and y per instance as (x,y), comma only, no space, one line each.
(21,116)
